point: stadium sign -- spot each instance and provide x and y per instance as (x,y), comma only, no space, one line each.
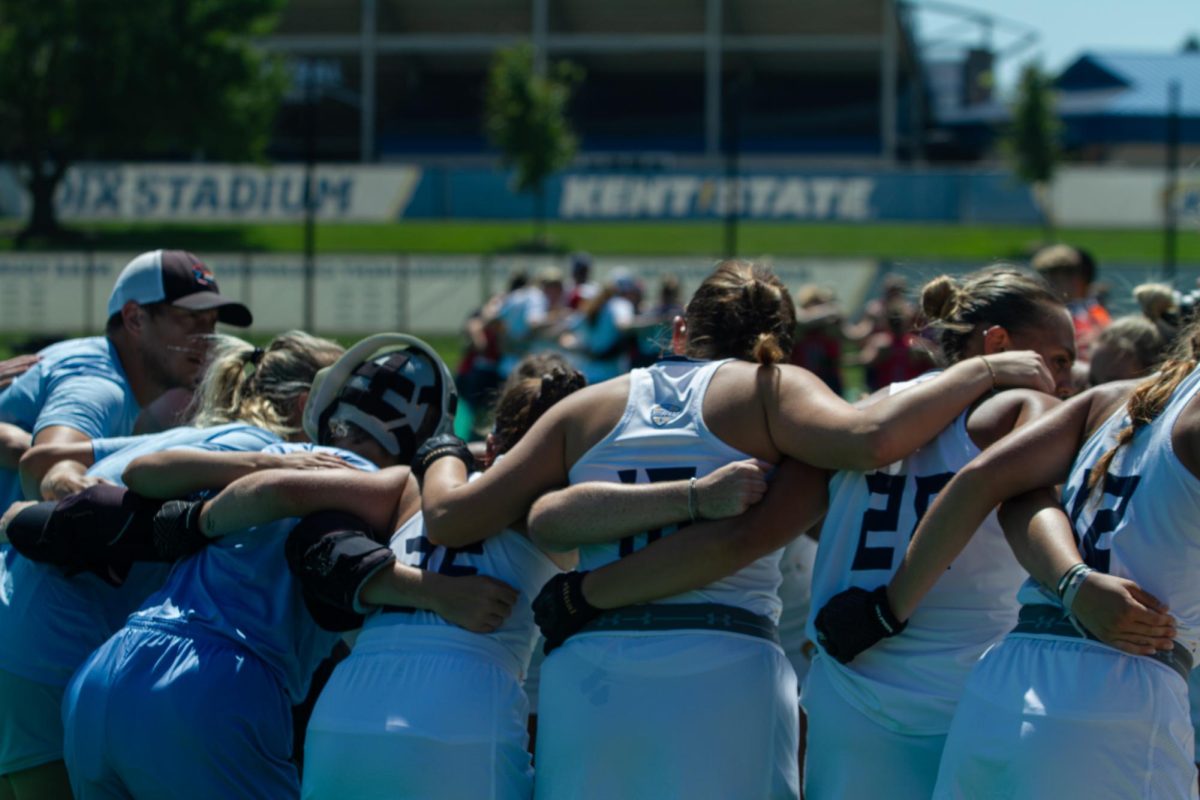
(226,193)
(692,196)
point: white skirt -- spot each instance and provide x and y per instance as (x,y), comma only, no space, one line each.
(420,712)
(1045,717)
(655,716)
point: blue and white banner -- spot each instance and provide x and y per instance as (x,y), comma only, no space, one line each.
(198,193)
(222,193)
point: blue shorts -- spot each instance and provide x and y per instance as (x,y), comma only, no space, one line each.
(156,714)
(31,732)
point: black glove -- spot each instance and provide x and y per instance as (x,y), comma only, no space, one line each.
(439,446)
(854,620)
(103,529)
(177,531)
(561,610)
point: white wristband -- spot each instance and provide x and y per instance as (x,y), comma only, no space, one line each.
(1074,584)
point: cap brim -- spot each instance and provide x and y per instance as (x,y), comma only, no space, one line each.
(229,311)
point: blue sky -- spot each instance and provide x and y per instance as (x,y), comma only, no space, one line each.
(1068,27)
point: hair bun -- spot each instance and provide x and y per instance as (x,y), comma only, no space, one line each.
(1155,299)
(940,298)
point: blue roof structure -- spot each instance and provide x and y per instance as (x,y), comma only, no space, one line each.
(1129,84)
(1108,98)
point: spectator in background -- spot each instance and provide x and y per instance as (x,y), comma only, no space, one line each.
(1134,345)
(876,313)
(603,331)
(654,326)
(1072,272)
(896,353)
(530,316)
(818,343)
(478,374)
(582,288)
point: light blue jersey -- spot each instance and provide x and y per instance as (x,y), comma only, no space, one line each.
(79,384)
(50,621)
(240,590)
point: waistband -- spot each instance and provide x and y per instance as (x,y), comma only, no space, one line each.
(684,616)
(1048,620)
(394,633)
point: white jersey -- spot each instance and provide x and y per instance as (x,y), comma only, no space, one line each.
(508,556)
(1144,523)
(662,437)
(911,683)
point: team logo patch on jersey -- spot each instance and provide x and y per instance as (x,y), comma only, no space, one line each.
(663,414)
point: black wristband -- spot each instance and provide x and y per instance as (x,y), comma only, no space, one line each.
(440,446)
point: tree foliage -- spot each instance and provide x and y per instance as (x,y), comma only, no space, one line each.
(1033,139)
(525,117)
(95,79)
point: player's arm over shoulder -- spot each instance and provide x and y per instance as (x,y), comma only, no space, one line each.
(1006,411)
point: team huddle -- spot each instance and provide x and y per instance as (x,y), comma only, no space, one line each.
(303,584)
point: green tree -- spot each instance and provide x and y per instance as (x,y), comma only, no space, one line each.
(1033,139)
(95,79)
(526,118)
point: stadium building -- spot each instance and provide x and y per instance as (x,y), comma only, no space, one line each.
(667,80)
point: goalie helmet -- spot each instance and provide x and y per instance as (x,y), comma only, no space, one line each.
(392,386)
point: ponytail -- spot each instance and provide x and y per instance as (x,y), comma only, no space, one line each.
(1150,397)
(260,386)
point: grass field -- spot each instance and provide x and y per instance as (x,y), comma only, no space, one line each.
(448,347)
(890,241)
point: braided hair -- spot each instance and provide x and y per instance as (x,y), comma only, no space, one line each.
(525,400)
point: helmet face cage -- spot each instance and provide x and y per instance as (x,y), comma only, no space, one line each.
(393,386)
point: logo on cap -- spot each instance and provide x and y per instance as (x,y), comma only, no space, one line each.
(203,276)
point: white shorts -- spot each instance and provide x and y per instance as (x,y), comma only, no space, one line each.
(1045,717)
(851,756)
(657,716)
(414,714)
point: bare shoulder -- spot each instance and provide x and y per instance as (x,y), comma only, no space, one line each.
(1105,400)
(1000,414)
(590,414)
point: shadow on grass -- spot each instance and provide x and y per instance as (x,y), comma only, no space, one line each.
(143,237)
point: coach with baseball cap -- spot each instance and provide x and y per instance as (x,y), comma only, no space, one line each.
(178,278)
(161,315)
